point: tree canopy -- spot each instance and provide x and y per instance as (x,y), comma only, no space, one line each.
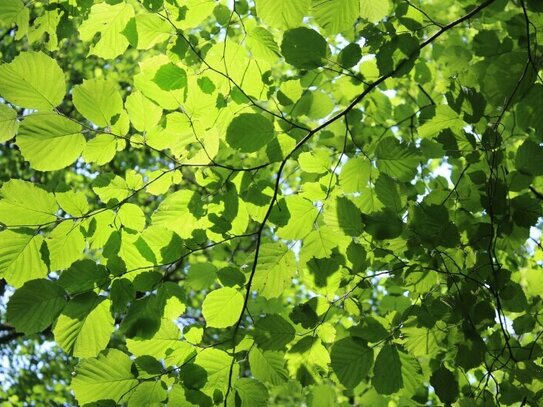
(271,202)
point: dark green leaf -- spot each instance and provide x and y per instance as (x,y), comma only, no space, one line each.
(445,384)
(249,132)
(352,361)
(35,306)
(304,48)
(387,372)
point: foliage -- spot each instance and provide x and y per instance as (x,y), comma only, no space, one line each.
(274,202)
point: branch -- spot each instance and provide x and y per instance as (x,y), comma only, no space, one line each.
(529,46)
(424,13)
(457,183)
(426,94)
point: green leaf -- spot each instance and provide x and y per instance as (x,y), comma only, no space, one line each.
(165,340)
(396,160)
(352,361)
(388,192)
(35,306)
(143,113)
(445,385)
(85,325)
(350,55)
(431,224)
(32,80)
(323,395)
(445,118)
(370,329)
(50,142)
(24,203)
(45,26)
(131,216)
(387,372)
(216,364)
(153,5)
(144,82)
(262,44)
(336,16)
(411,374)
(170,77)
(529,158)
(296,216)
(343,215)
(151,30)
(526,210)
(83,275)
(122,292)
(201,276)
(282,13)
(175,207)
(365,161)
(65,245)
(355,175)
(107,377)
(304,48)
(109,21)
(275,269)
(98,100)
(316,162)
(148,394)
(143,318)
(21,257)
(248,132)
(319,243)
(422,341)
(8,123)
(222,307)
(268,366)
(110,188)
(523,324)
(10,10)
(251,392)
(101,149)
(73,203)
(374,10)
(307,354)
(273,332)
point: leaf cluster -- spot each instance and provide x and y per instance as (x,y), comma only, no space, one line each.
(275,202)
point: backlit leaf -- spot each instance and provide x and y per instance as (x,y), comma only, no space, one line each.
(85,325)
(106,377)
(222,307)
(50,142)
(8,123)
(109,21)
(24,203)
(98,101)
(21,257)
(336,15)
(283,13)
(32,80)
(276,267)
